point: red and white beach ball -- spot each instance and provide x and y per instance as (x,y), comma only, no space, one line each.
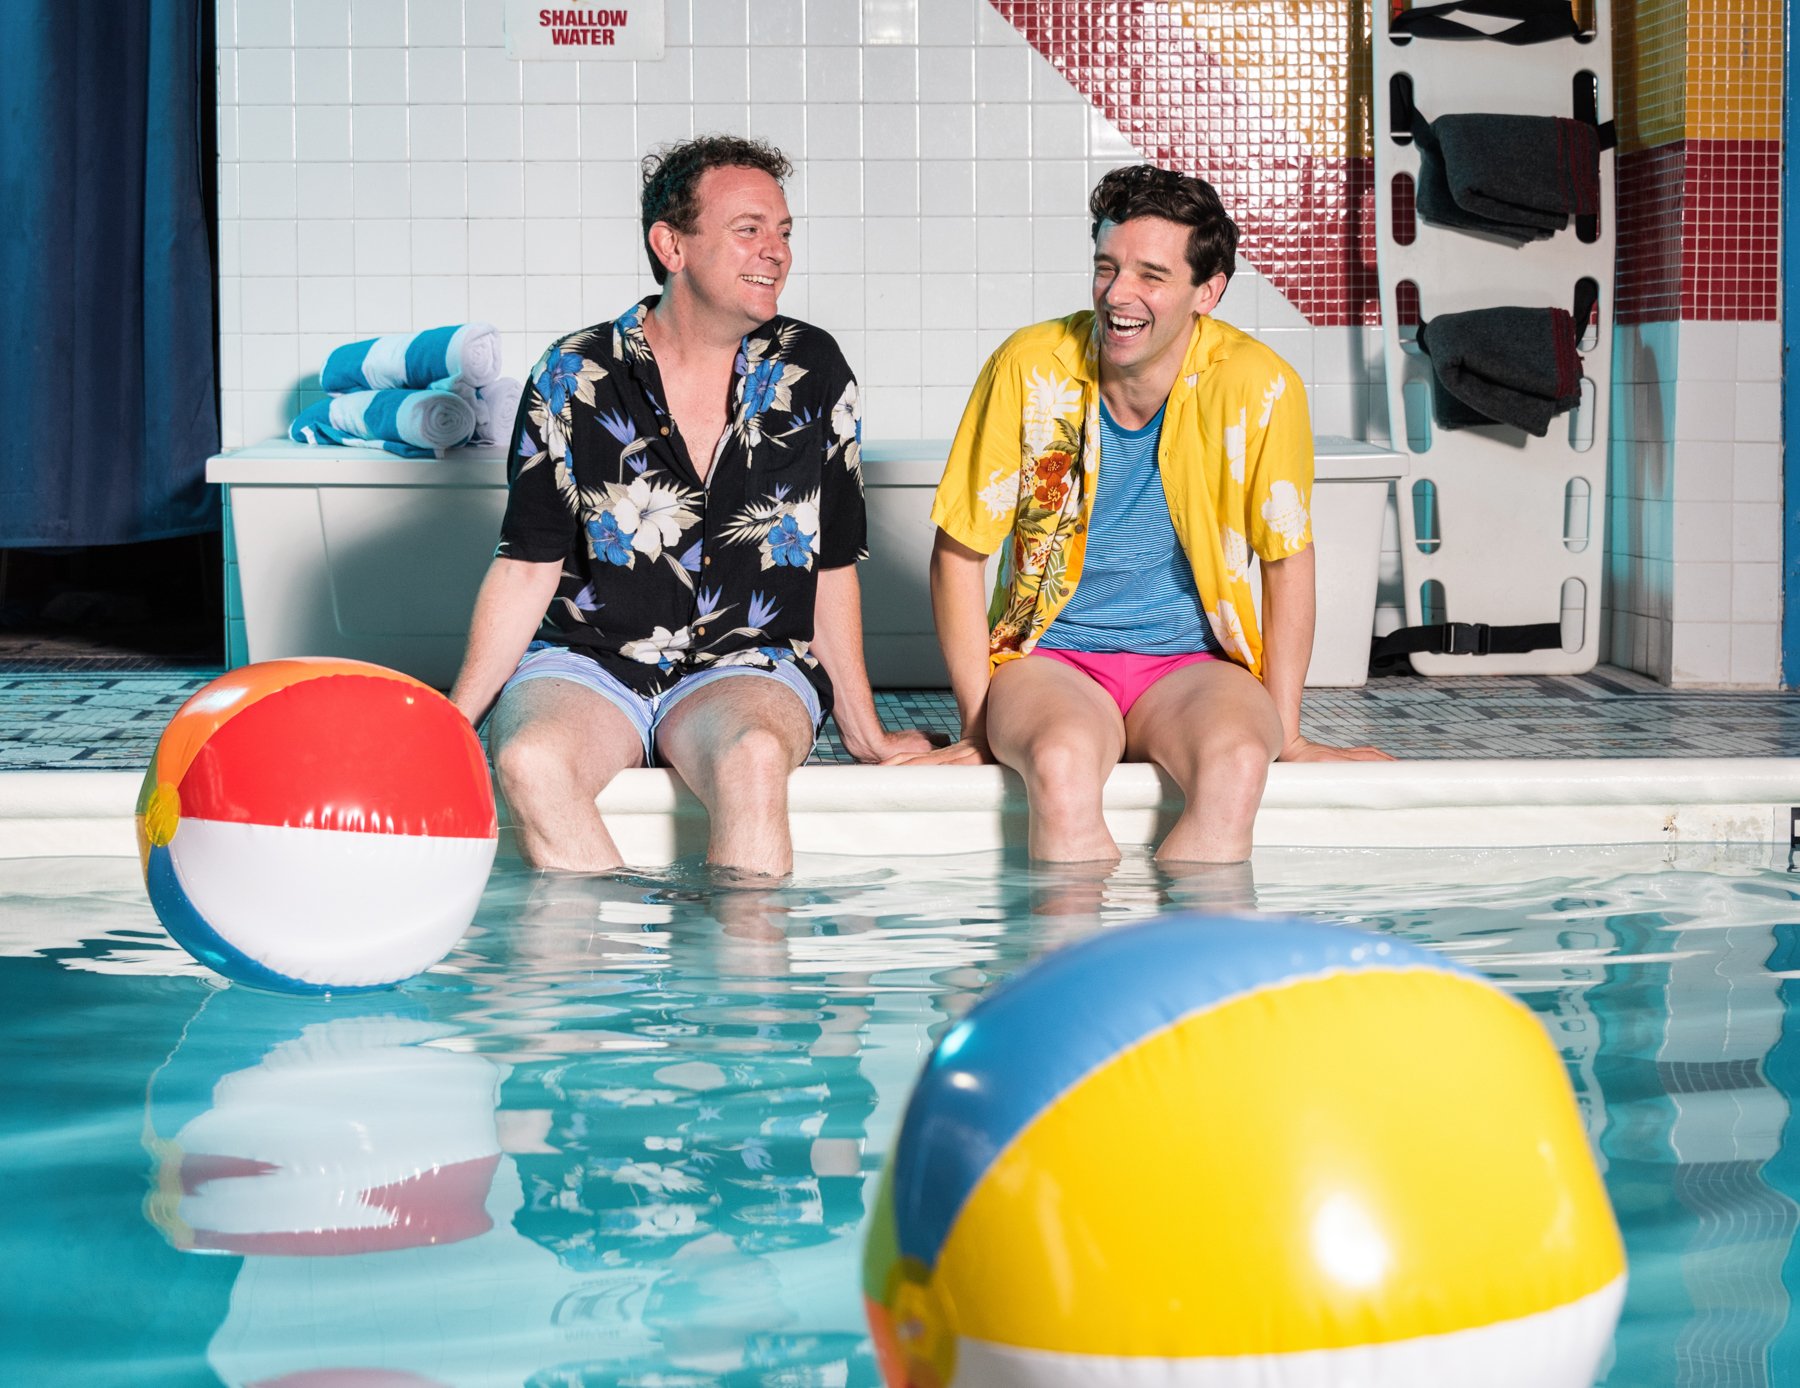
(317,826)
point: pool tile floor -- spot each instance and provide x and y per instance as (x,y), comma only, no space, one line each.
(109,720)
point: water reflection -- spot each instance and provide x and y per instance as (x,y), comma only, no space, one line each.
(294,1127)
(715,1137)
(627,1133)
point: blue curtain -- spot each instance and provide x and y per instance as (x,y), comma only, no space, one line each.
(108,401)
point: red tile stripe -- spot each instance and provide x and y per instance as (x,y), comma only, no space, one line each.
(1699,232)
(1731,231)
(1306,220)
(1648,285)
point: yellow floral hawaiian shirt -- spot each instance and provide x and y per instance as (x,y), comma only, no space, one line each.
(1236,457)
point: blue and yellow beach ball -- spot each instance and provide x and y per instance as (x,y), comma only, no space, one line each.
(1273,1153)
(317,826)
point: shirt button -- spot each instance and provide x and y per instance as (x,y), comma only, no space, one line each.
(664,431)
(699,631)
(706,562)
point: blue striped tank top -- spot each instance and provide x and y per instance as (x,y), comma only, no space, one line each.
(1136,591)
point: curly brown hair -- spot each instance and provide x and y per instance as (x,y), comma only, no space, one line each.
(672,180)
(1143,190)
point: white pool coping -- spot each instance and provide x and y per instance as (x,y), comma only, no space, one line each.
(927,811)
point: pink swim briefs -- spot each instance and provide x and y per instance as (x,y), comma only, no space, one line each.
(1125,675)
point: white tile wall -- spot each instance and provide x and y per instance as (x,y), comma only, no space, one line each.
(1694,539)
(385,167)
(1640,579)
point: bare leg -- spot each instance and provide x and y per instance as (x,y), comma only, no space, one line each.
(1214,728)
(556,746)
(1062,732)
(734,742)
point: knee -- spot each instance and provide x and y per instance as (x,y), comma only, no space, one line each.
(527,763)
(1235,764)
(1060,769)
(753,761)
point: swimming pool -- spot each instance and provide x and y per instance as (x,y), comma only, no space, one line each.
(628,1132)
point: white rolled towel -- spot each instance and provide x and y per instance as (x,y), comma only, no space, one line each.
(496,407)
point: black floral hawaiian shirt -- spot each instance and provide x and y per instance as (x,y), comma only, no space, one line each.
(663,574)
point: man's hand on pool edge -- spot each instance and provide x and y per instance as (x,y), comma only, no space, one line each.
(894,748)
(1304,749)
(963,752)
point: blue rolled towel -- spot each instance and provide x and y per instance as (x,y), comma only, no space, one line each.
(411,423)
(458,355)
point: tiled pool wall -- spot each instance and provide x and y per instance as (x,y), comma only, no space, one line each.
(385,165)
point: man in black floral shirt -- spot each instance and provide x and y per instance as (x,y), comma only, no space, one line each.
(676,577)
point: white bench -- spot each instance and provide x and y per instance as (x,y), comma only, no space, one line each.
(354,552)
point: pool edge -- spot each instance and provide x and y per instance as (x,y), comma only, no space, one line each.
(932,811)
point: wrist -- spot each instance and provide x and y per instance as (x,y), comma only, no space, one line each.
(860,740)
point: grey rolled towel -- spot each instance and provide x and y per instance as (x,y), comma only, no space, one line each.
(1502,366)
(1518,177)
(1436,199)
(1535,171)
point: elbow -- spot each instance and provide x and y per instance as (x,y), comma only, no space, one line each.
(952,560)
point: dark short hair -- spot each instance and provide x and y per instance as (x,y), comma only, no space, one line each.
(1143,190)
(672,180)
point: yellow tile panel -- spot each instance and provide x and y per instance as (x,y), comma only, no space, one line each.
(1650,49)
(1305,62)
(1734,70)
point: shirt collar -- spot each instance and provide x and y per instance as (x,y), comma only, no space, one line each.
(628,330)
(1077,350)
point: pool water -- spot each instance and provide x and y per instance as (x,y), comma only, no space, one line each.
(628,1132)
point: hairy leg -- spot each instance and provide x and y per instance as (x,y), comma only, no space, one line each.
(556,746)
(1214,728)
(1062,732)
(735,742)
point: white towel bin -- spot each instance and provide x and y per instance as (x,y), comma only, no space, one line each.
(354,552)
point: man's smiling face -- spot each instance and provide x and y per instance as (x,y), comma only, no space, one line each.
(1145,298)
(736,258)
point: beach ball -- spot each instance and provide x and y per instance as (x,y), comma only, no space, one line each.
(1275,1153)
(317,825)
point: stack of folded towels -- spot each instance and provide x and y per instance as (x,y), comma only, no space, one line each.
(414,394)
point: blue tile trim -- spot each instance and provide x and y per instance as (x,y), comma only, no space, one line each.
(110,720)
(1790,398)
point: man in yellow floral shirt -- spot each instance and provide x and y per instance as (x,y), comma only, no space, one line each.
(1128,462)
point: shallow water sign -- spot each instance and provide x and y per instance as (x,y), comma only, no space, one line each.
(535,31)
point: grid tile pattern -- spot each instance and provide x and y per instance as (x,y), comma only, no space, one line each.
(1260,100)
(1734,69)
(384,166)
(1650,49)
(1648,287)
(86,720)
(1699,112)
(1731,231)
(1694,498)
(111,721)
